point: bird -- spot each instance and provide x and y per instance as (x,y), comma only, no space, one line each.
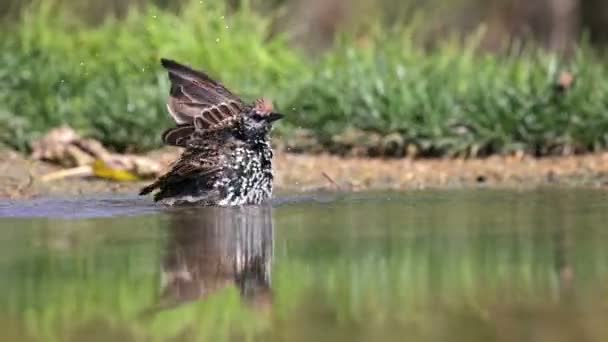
(227,154)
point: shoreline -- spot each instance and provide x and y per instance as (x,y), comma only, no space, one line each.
(20,175)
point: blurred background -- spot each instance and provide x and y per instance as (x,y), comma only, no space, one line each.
(373,78)
(556,24)
(391,78)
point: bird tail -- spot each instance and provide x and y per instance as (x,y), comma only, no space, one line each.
(148,189)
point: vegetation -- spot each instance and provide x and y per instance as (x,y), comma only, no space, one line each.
(377,93)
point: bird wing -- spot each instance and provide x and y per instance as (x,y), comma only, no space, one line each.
(197,102)
(189,165)
(178,136)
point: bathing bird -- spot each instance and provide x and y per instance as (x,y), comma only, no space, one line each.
(227,155)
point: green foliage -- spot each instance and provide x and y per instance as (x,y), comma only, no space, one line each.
(106,82)
(456,100)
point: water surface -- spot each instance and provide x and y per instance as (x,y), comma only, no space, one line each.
(418,266)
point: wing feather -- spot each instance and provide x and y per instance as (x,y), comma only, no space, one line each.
(193,93)
(178,136)
(187,167)
(197,102)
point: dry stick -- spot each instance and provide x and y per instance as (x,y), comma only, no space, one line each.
(331,180)
(80,171)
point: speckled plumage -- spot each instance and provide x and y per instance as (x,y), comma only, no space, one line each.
(227,160)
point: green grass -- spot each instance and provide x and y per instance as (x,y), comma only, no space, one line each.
(106,82)
(379,92)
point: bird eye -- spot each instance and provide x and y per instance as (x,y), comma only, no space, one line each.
(256,116)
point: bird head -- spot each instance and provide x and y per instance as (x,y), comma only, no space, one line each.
(258,121)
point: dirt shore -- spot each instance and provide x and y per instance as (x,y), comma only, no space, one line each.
(20,176)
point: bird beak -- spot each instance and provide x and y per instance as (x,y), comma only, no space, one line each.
(274,117)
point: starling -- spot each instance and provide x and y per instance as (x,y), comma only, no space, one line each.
(227,156)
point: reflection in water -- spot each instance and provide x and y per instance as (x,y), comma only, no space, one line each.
(420,266)
(210,249)
(563,263)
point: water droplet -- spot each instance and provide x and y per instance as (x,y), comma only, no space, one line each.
(154,16)
(143,69)
(81,63)
(62,81)
(217,40)
(400,71)
(227,27)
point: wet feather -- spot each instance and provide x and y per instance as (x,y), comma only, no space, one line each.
(227,157)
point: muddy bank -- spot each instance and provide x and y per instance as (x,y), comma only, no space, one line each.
(20,176)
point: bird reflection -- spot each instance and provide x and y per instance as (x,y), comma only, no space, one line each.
(213,248)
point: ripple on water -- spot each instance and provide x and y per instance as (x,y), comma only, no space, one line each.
(77,208)
(115,206)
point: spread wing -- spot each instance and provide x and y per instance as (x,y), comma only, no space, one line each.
(188,166)
(197,102)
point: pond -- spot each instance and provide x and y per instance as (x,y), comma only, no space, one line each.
(462,265)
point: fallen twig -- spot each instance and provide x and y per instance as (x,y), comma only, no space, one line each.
(331,180)
(88,157)
(80,171)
